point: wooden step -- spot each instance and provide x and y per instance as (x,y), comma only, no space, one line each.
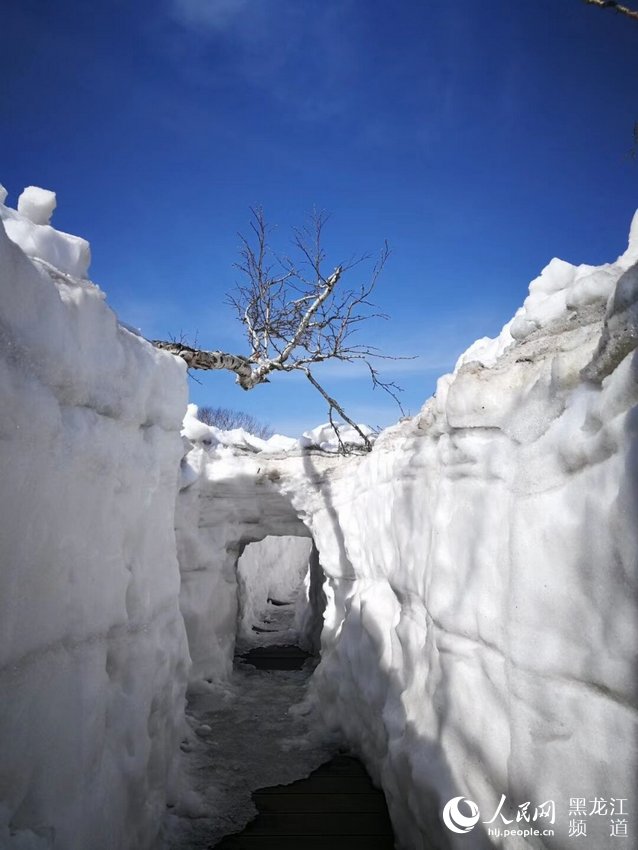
(314,803)
(306,842)
(276,657)
(336,808)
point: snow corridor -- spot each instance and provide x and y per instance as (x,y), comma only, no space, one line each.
(470,583)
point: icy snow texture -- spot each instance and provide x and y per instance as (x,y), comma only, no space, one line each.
(246,734)
(480,631)
(37,204)
(273,568)
(322,437)
(29,228)
(483,579)
(93,651)
(620,332)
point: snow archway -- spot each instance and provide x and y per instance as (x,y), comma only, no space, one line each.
(281,593)
(224,506)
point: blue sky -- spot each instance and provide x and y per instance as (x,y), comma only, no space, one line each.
(479,139)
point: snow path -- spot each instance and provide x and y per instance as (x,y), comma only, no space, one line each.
(250,733)
(275,627)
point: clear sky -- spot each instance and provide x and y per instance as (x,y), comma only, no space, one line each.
(479,138)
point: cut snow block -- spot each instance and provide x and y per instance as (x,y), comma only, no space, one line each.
(37,204)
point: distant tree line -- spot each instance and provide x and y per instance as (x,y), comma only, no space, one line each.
(226,419)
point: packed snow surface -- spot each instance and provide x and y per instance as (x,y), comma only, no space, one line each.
(64,255)
(322,437)
(254,730)
(251,732)
(37,204)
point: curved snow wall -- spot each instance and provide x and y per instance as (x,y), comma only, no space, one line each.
(93,650)
(481,632)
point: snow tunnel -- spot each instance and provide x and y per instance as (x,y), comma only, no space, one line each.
(242,544)
(280,594)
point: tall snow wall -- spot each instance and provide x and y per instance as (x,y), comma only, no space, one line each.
(480,633)
(482,625)
(93,649)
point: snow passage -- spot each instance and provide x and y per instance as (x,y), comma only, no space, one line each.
(480,624)
(480,630)
(276,568)
(254,730)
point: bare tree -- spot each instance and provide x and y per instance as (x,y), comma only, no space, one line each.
(227,419)
(612,4)
(296,315)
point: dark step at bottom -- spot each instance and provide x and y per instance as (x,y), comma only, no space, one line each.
(276,657)
(335,808)
(307,842)
(310,803)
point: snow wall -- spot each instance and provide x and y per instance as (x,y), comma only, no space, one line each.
(94,655)
(480,631)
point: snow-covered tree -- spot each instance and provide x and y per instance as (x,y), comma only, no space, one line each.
(296,314)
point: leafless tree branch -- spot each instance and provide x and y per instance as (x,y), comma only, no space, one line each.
(334,405)
(296,314)
(617,7)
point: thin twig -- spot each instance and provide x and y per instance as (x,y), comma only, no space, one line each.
(334,405)
(295,315)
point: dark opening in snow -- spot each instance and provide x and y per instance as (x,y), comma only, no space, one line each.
(335,808)
(277,657)
(281,599)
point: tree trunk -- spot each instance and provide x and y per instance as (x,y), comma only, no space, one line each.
(195,358)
